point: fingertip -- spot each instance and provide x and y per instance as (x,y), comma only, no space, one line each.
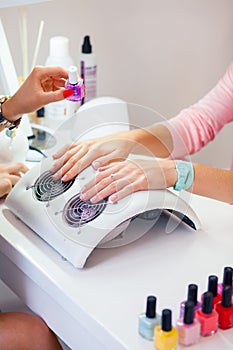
(65,178)
(96,164)
(67,93)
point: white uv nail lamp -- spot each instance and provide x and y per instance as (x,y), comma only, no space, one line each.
(54,210)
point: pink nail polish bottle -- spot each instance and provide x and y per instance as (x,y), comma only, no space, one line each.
(188,327)
(207,316)
(227,278)
(224,309)
(213,288)
(192,296)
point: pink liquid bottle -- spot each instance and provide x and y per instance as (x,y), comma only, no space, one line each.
(188,327)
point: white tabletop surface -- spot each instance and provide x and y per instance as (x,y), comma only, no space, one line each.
(98,307)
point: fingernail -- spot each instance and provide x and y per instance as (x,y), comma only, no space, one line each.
(112,198)
(94,199)
(83,197)
(67,93)
(65,177)
(96,165)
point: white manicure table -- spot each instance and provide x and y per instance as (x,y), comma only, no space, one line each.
(97,307)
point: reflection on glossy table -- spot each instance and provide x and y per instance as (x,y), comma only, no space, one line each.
(97,308)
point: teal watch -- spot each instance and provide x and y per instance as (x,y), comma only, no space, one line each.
(185,173)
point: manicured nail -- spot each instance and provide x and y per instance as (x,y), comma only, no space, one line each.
(65,177)
(112,198)
(83,196)
(67,93)
(96,164)
(94,199)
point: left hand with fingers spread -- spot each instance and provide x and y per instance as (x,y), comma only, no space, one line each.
(119,179)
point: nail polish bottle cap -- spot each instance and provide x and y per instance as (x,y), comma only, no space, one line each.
(213,285)
(227,276)
(189,312)
(192,293)
(73,75)
(207,304)
(151,307)
(226,296)
(166,320)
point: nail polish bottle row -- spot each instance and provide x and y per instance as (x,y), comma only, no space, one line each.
(196,318)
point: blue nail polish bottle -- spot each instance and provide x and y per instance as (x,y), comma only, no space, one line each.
(149,320)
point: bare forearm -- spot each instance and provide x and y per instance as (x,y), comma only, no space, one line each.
(155,140)
(213,182)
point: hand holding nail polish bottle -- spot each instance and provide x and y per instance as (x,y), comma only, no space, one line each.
(166,336)
(224,309)
(148,320)
(207,316)
(188,327)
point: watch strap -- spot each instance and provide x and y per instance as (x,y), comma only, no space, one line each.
(185,173)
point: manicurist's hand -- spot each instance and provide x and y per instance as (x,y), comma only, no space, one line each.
(119,179)
(42,86)
(9,176)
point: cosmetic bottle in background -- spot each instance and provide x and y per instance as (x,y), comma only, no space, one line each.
(148,320)
(165,335)
(207,316)
(213,288)
(192,296)
(88,69)
(56,112)
(227,278)
(224,309)
(188,327)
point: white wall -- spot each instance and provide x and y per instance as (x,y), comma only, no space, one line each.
(163,54)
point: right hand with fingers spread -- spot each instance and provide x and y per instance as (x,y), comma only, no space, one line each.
(72,159)
(9,176)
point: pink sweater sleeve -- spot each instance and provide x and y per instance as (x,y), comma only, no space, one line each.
(195,126)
